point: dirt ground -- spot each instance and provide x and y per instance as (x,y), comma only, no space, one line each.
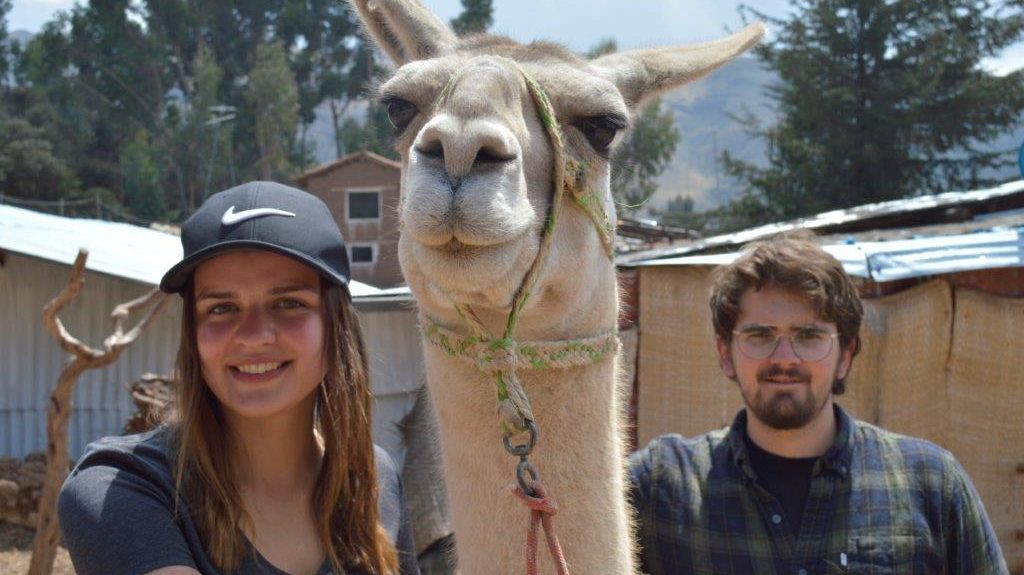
(16,551)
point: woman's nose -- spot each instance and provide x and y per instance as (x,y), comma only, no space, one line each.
(256,328)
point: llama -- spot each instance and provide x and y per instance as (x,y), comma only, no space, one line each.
(507,224)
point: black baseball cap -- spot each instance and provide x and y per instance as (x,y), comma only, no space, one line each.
(262,215)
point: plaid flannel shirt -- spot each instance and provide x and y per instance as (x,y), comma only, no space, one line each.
(879,502)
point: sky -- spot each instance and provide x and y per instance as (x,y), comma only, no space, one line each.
(580,24)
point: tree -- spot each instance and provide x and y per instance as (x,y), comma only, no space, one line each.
(275,103)
(199,147)
(28,166)
(58,417)
(375,133)
(332,63)
(6,56)
(142,190)
(95,67)
(476,17)
(881,99)
(679,212)
(643,155)
(646,150)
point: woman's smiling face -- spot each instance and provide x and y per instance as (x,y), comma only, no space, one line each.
(260,331)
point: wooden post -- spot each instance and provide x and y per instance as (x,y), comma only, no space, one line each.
(82,358)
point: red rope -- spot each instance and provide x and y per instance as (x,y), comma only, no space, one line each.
(542,509)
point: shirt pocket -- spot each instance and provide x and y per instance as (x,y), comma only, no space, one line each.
(903,554)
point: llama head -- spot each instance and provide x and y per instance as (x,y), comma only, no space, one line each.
(477,159)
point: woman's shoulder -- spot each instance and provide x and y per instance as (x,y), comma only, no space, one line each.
(141,451)
(118,510)
(144,444)
(123,463)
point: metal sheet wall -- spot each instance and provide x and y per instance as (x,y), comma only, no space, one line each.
(30,361)
(396,370)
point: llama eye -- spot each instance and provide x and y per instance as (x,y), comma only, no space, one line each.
(400,112)
(600,131)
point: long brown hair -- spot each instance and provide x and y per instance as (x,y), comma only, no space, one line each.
(345,497)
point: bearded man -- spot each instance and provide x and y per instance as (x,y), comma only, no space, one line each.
(795,485)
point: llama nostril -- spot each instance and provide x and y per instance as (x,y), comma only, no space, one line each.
(432,149)
(486,155)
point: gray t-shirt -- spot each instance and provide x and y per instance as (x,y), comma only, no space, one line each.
(117,513)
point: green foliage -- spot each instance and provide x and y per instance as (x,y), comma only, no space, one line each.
(275,102)
(221,90)
(603,47)
(476,17)
(374,133)
(28,166)
(643,155)
(880,99)
(142,192)
(6,55)
(679,212)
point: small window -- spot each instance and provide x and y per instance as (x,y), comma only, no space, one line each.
(361,254)
(363,205)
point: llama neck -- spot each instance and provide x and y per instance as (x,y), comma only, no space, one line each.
(579,454)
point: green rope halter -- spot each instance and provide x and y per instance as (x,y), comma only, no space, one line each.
(501,357)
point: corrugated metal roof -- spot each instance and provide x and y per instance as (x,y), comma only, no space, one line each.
(116,249)
(895,213)
(902,259)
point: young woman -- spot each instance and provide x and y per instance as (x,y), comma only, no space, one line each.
(269,466)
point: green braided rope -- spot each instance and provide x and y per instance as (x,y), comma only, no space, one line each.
(502,358)
(502,354)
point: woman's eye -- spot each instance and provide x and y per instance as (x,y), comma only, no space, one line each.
(289,304)
(600,131)
(220,309)
(400,112)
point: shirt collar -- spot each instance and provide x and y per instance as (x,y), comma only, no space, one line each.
(836,459)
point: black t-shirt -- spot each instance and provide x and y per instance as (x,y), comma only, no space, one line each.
(116,510)
(788,479)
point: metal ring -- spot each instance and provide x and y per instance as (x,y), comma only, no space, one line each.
(523,467)
(525,448)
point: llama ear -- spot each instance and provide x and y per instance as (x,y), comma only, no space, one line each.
(644,74)
(404,29)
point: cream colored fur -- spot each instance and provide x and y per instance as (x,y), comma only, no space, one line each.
(470,230)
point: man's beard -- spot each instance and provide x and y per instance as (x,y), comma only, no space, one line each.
(785,411)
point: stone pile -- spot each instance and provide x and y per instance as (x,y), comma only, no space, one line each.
(21,485)
(152,395)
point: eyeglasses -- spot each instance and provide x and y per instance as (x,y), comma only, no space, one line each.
(808,343)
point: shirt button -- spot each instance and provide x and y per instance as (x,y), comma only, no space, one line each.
(776,519)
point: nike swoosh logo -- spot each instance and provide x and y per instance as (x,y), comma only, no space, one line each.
(231,217)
